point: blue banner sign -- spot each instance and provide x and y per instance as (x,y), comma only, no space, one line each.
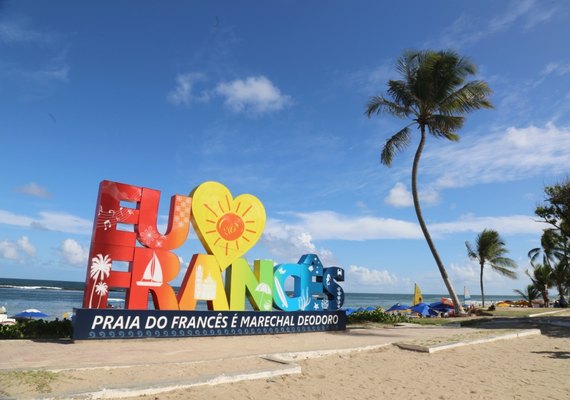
(126,324)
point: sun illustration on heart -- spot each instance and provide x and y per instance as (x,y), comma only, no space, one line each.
(227,226)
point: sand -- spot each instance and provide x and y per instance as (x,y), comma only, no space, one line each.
(535,367)
(532,367)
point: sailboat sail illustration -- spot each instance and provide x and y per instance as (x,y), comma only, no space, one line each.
(152,274)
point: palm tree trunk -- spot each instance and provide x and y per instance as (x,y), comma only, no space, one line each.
(458,308)
(482,290)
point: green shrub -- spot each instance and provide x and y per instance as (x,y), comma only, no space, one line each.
(37,329)
(377,315)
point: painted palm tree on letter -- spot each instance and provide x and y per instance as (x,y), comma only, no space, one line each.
(490,250)
(99,270)
(434,95)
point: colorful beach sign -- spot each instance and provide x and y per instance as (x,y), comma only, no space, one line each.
(125,231)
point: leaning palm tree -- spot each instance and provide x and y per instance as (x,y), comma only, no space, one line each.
(434,95)
(490,250)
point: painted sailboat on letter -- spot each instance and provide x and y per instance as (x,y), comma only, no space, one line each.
(152,274)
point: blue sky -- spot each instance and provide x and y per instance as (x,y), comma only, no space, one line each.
(268,98)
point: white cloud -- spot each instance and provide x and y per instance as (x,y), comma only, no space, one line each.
(13,250)
(73,253)
(326,225)
(12,33)
(556,68)
(467,30)
(183,93)
(507,225)
(8,250)
(33,189)
(51,221)
(256,95)
(370,277)
(289,243)
(26,246)
(468,274)
(400,197)
(373,79)
(510,155)
(58,72)
(329,225)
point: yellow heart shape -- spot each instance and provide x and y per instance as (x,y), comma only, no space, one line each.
(227,227)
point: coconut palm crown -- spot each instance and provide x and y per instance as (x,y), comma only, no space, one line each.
(490,250)
(434,94)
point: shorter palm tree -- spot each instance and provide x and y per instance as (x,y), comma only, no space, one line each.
(542,279)
(490,250)
(531,293)
(555,251)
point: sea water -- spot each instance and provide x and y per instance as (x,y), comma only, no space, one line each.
(59,298)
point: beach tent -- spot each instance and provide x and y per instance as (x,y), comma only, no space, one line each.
(398,307)
(30,313)
(441,307)
(423,309)
(359,309)
(353,310)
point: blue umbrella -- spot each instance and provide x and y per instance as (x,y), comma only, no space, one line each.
(423,309)
(398,307)
(31,313)
(441,307)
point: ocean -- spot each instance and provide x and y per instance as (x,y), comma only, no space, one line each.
(57,298)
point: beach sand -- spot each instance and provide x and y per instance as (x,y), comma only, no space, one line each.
(535,367)
(532,367)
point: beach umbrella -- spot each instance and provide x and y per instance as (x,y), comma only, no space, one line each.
(423,309)
(31,313)
(398,307)
(441,307)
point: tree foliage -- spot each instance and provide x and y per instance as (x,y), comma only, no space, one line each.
(554,243)
(490,249)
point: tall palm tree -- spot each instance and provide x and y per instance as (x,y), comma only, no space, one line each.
(490,250)
(434,95)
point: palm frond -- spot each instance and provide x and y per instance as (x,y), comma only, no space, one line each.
(470,97)
(378,105)
(505,272)
(445,126)
(534,253)
(400,92)
(471,251)
(394,145)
